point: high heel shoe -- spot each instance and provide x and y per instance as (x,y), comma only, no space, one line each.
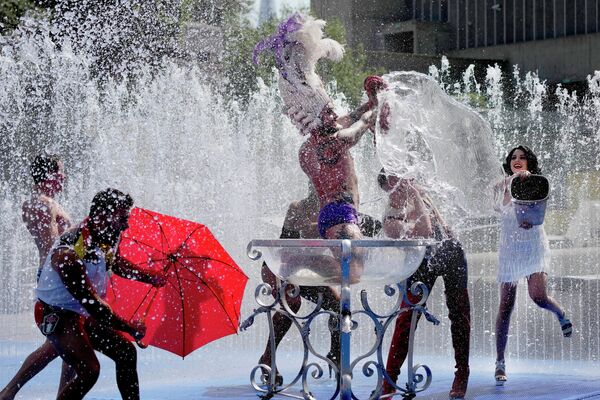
(459,386)
(500,373)
(566,326)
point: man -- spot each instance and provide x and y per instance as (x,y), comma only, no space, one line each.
(46,221)
(325,157)
(301,223)
(73,314)
(412,214)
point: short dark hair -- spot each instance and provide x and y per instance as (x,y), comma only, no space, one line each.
(110,200)
(43,166)
(532,161)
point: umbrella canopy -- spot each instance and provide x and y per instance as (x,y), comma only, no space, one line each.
(202,297)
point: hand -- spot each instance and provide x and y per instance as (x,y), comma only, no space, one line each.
(159,279)
(137,330)
(525,225)
(523,174)
(374,84)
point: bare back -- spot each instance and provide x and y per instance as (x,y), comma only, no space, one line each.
(330,166)
(45,220)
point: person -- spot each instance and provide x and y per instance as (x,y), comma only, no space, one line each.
(412,214)
(523,253)
(301,223)
(71,310)
(325,158)
(45,220)
(297,45)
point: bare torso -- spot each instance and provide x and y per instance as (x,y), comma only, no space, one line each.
(45,220)
(330,166)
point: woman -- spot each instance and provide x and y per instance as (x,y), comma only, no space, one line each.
(524,252)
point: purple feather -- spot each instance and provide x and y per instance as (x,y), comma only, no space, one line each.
(279,40)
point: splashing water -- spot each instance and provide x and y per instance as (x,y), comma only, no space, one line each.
(445,145)
(179,147)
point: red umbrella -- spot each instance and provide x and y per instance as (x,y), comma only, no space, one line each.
(202,298)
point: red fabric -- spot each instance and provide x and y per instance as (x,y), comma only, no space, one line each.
(38,312)
(202,298)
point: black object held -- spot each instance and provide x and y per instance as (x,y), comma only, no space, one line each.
(531,188)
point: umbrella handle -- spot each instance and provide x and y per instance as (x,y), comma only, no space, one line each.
(141,345)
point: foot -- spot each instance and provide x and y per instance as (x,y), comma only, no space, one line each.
(566,326)
(333,357)
(459,386)
(500,373)
(387,388)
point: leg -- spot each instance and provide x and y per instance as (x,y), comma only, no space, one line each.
(400,338)
(508,295)
(331,302)
(73,344)
(33,364)
(115,346)
(536,285)
(281,323)
(67,374)
(459,313)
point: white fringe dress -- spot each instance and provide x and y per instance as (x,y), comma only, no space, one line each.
(522,252)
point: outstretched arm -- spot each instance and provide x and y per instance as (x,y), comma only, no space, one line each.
(354,132)
(127,270)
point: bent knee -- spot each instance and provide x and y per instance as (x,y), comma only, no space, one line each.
(89,372)
(539,299)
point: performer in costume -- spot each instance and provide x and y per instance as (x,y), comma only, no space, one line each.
(325,156)
(524,253)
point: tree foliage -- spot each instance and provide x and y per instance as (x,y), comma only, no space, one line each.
(242,74)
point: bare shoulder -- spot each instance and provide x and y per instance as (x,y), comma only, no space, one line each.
(36,208)
(64,256)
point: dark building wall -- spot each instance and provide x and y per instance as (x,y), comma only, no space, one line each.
(566,59)
(558,38)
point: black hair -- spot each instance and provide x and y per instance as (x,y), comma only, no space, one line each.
(43,166)
(110,200)
(532,161)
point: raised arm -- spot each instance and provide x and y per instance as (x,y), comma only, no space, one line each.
(37,216)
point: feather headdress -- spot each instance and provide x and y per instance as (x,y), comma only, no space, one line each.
(298,45)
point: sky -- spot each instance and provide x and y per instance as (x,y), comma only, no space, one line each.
(280,5)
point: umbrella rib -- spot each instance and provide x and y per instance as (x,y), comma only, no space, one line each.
(142,302)
(145,244)
(187,238)
(181,297)
(235,267)
(164,237)
(160,229)
(212,291)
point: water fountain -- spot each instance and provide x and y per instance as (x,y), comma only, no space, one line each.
(168,140)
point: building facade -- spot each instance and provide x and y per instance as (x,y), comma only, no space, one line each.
(558,38)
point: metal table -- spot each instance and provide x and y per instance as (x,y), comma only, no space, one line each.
(308,262)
